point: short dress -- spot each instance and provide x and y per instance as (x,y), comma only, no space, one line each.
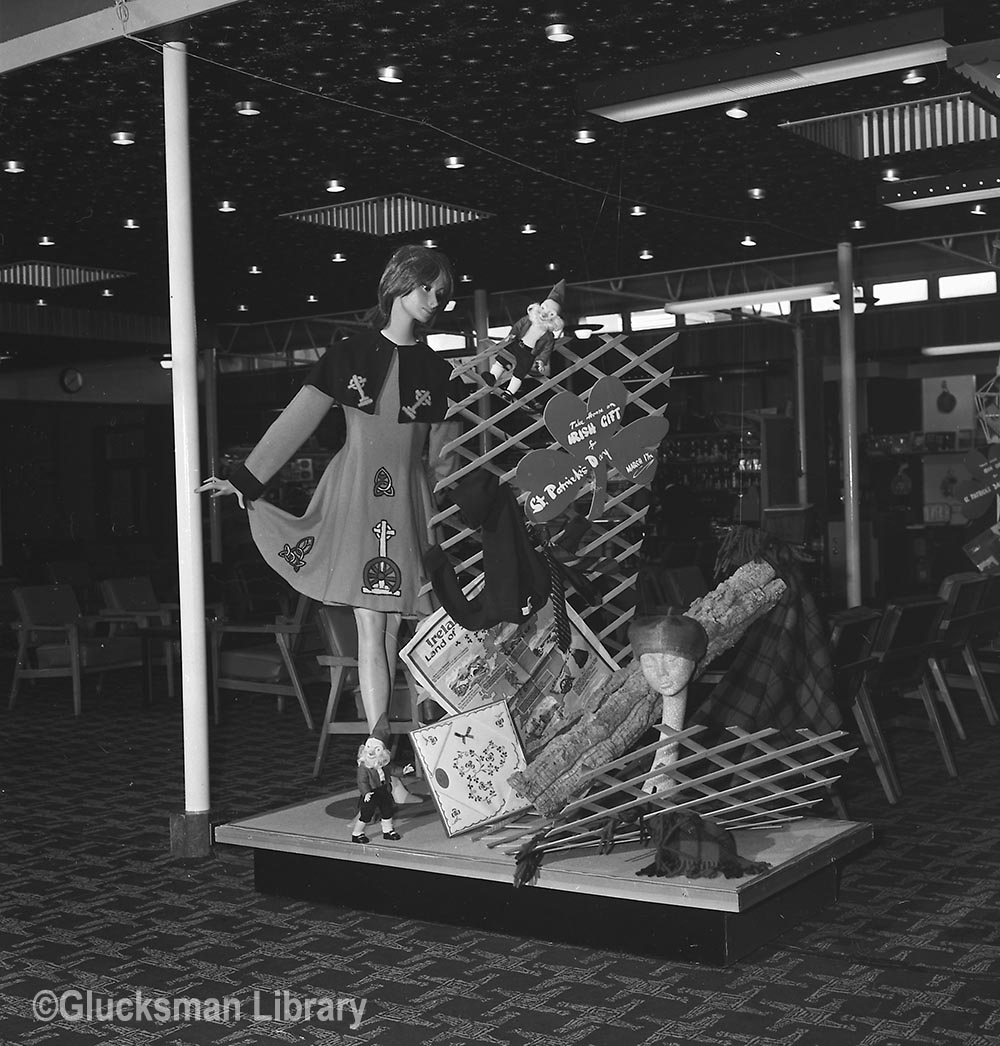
(362,537)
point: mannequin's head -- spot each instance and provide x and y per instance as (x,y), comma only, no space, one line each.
(410,267)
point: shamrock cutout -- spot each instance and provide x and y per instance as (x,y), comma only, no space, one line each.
(979,493)
(592,434)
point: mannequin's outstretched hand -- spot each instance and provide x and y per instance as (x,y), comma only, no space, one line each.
(218,488)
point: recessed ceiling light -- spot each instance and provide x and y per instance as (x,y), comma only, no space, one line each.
(312,297)
(528,229)
(553,266)
(13,167)
(858,224)
(430,243)
(559,33)
(248,108)
(123,138)
(738,111)
(748,241)
(40,301)
(335,185)
(450,307)
(756,193)
(255,270)
(465,278)
(584,137)
(454,163)
(45,241)
(227,206)
(390,74)
(890,174)
(637,211)
(338,257)
(241,308)
(130,223)
(645,254)
(107,293)
(914,76)
(979,210)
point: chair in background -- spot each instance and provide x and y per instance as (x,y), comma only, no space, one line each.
(982,649)
(79,575)
(340,637)
(268,667)
(56,640)
(905,639)
(970,608)
(851,634)
(133,600)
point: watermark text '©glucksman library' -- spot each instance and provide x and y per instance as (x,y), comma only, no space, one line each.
(282,1006)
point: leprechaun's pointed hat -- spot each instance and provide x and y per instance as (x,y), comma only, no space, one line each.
(558,293)
(381,730)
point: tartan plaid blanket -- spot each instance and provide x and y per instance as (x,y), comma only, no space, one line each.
(782,674)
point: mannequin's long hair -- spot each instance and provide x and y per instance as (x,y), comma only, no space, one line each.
(407,269)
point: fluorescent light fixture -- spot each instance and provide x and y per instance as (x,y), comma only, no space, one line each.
(652,320)
(441,341)
(942,190)
(967,284)
(891,44)
(973,348)
(900,291)
(498,332)
(750,298)
(609,322)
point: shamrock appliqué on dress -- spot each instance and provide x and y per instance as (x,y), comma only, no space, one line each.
(593,436)
(978,494)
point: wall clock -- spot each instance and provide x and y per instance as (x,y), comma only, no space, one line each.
(71,380)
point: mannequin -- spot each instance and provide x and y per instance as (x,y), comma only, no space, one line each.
(361,539)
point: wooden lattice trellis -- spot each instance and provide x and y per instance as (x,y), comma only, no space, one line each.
(744,782)
(487,441)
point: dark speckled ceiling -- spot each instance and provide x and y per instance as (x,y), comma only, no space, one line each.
(480,80)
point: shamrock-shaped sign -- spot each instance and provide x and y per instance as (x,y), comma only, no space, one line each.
(592,434)
(979,493)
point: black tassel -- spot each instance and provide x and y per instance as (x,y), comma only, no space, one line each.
(557,594)
(527,863)
(608,835)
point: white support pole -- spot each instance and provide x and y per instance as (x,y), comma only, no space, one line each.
(849,424)
(189,831)
(481,322)
(800,406)
(211,386)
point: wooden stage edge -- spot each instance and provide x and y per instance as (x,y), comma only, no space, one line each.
(580,897)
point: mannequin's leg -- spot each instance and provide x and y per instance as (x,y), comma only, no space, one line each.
(373,670)
(378,643)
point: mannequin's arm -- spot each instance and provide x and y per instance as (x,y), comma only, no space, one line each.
(293,426)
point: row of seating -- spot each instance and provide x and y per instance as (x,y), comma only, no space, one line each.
(915,646)
(280,657)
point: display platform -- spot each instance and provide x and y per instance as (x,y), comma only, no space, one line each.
(580,897)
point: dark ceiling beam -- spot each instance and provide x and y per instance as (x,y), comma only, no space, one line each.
(32,32)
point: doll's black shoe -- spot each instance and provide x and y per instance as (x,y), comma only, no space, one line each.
(360,839)
(489,378)
(394,836)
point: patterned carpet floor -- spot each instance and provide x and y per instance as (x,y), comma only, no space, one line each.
(93,902)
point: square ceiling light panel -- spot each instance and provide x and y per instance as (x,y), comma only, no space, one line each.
(388,215)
